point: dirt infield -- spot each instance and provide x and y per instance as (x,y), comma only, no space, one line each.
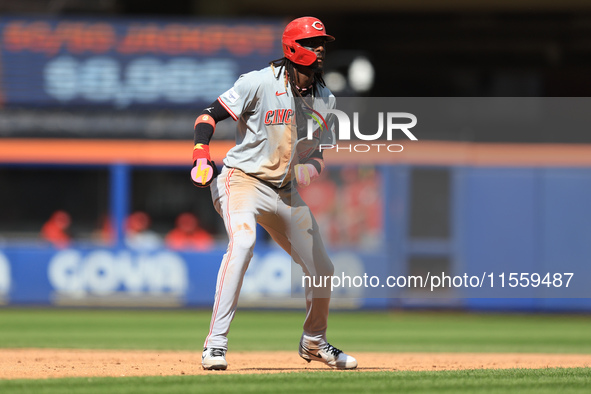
(60,363)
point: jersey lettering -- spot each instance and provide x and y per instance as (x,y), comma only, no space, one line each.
(278,116)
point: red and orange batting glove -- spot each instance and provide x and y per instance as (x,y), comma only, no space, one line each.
(204,170)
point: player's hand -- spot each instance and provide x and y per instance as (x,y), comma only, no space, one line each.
(204,169)
(305,174)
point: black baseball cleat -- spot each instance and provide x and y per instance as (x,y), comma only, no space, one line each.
(328,355)
(214,359)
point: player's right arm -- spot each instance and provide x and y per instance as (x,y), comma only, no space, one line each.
(232,103)
(204,169)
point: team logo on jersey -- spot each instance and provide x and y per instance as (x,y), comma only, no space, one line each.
(231,95)
(279,116)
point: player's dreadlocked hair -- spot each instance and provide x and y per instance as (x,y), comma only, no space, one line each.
(288,65)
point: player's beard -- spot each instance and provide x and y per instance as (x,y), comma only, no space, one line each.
(317,67)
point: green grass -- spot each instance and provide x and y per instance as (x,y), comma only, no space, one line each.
(253,330)
(360,331)
(551,381)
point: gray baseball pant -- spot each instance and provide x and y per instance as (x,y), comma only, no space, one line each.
(243,201)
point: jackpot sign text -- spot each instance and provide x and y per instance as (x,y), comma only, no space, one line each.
(122,63)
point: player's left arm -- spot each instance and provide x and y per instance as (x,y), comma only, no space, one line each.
(308,171)
(311,168)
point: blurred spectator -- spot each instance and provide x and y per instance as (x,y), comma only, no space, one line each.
(138,234)
(370,186)
(105,233)
(188,235)
(361,205)
(55,229)
(321,196)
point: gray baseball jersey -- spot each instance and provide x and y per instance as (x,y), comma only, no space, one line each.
(266,139)
(254,187)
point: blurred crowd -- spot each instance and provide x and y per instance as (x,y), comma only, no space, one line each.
(347,204)
(187,233)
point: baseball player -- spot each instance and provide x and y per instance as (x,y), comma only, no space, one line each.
(257,183)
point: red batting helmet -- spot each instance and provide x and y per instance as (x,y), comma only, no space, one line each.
(298,29)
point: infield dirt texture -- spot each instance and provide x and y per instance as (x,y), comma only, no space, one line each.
(58,343)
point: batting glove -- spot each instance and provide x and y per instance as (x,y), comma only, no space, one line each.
(204,169)
(305,174)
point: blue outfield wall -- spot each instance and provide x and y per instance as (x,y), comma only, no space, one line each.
(504,221)
(496,224)
(527,220)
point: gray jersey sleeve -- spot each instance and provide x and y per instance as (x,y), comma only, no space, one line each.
(241,97)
